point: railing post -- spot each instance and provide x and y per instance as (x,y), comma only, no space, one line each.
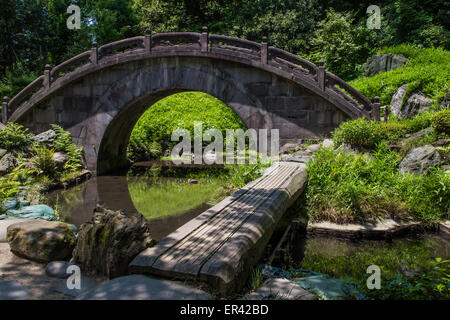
(148,40)
(321,76)
(94,53)
(5,110)
(204,39)
(386,113)
(376,109)
(264,50)
(47,76)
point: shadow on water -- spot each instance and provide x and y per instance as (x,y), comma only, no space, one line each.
(76,205)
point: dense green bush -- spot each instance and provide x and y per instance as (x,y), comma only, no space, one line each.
(180,110)
(441,121)
(43,162)
(428,71)
(14,136)
(63,143)
(345,187)
(359,133)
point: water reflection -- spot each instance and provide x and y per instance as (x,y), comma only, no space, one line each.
(166,203)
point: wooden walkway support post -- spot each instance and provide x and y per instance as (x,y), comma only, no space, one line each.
(5,110)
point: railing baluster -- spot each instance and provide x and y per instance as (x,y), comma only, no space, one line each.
(47,78)
(264,50)
(148,40)
(321,76)
(94,53)
(204,40)
(5,110)
(376,109)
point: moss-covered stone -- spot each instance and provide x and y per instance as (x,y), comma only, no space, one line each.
(41,241)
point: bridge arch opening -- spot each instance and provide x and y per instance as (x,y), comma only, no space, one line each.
(143,131)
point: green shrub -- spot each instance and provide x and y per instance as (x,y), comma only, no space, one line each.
(63,143)
(441,121)
(14,136)
(428,71)
(179,111)
(418,122)
(43,161)
(359,133)
(392,130)
(344,187)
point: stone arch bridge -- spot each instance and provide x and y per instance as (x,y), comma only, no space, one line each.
(99,94)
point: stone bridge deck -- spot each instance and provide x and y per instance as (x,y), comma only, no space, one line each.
(221,245)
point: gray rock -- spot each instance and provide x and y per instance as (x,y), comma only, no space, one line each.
(288,147)
(382,63)
(420,160)
(280,289)
(58,269)
(415,104)
(397,100)
(137,287)
(445,102)
(4,224)
(7,163)
(46,138)
(313,147)
(327,143)
(12,290)
(299,159)
(60,159)
(86,285)
(110,240)
(41,240)
(420,133)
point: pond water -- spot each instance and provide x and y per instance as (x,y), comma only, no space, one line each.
(347,259)
(167,203)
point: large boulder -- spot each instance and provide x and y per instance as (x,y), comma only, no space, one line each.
(46,139)
(397,100)
(419,160)
(110,240)
(7,163)
(415,104)
(385,62)
(41,241)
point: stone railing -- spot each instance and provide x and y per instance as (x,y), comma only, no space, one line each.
(259,54)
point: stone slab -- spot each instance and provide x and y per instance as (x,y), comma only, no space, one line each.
(12,290)
(138,287)
(280,289)
(86,284)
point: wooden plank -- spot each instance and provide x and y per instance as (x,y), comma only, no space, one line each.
(215,246)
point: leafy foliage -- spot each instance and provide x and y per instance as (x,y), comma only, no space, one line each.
(180,110)
(344,187)
(63,143)
(441,121)
(427,71)
(359,133)
(14,136)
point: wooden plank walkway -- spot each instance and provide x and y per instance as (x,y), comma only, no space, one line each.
(221,245)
